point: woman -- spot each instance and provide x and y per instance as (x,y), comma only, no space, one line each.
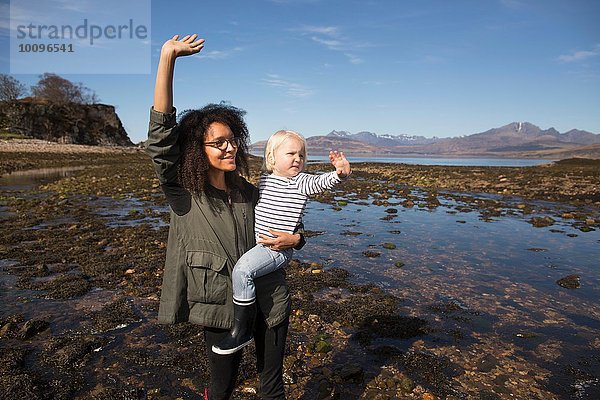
(212,221)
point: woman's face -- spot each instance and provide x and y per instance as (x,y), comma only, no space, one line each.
(221,160)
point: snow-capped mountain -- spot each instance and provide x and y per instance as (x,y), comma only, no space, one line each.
(384,139)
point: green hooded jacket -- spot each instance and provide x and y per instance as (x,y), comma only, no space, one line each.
(207,235)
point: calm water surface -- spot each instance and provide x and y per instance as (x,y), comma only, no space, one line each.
(472,162)
(461,245)
(467,162)
(501,274)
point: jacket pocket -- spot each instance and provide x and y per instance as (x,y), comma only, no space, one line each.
(206,281)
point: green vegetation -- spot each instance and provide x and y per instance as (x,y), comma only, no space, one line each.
(12,135)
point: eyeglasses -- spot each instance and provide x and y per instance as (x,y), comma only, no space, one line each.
(222,144)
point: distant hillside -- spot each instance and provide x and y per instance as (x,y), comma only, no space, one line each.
(517,139)
(383,140)
(322,145)
(588,151)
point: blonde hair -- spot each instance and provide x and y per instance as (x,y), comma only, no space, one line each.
(274,142)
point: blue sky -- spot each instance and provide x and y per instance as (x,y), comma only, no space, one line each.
(432,68)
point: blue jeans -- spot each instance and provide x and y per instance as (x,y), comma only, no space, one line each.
(256,262)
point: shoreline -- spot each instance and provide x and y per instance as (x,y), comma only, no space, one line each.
(425,156)
(105,279)
(575,181)
(44,146)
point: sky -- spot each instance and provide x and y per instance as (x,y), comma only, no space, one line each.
(440,68)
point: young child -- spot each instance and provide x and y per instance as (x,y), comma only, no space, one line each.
(283,194)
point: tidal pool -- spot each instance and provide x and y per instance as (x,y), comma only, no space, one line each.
(488,285)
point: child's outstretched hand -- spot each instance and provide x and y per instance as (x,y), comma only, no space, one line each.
(338,160)
(183,47)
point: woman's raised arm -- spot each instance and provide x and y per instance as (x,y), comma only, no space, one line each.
(171,49)
(162,144)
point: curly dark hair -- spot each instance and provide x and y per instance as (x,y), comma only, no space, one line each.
(193,126)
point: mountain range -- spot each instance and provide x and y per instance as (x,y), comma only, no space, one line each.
(517,139)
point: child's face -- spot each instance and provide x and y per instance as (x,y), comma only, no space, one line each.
(289,158)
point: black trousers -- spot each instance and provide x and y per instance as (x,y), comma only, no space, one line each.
(270,349)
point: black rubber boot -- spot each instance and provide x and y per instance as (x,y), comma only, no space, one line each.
(241,334)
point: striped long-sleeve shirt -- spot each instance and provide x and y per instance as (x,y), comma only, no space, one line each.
(282,200)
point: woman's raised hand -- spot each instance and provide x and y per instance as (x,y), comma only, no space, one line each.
(183,47)
(171,49)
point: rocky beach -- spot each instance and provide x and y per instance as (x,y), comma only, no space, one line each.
(385,305)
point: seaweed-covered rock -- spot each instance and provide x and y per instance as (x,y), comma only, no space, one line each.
(542,222)
(114,315)
(569,282)
(390,326)
(371,254)
(32,328)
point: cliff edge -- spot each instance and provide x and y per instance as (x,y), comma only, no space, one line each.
(71,123)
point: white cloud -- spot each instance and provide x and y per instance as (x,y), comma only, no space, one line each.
(433,59)
(75,6)
(373,83)
(324,30)
(329,43)
(354,59)
(290,88)
(218,54)
(581,55)
(331,37)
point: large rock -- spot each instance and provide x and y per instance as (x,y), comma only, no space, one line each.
(91,124)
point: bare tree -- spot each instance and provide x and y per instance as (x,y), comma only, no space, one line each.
(88,96)
(60,90)
(10,88)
